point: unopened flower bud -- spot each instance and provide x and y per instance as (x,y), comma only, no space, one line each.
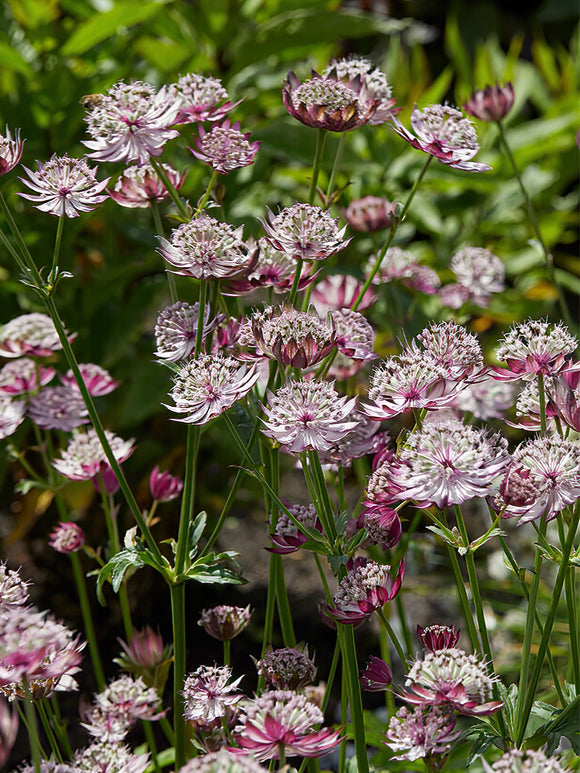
(438,637)
(67,537)
(164,487)
(376,676)
(491,103)
(224,622)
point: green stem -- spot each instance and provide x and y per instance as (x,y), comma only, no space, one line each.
(463,600)
(572,607)
(392,637)
(179,649)
(52,710)
(549,622)
(337,157)
(548,259)
(187,501)
(284,611)
(346,636)
(321,136)
(32,727)
(206,195)
(320,494)
(175,197)
(148,729)
(227,649)
(158,223)
(49,731)
(542,401)
(56,252)
(88,620)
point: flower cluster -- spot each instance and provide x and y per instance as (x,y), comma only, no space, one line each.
(367,586)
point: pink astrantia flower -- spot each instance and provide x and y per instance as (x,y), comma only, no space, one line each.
(376,675)
(131,122)
(368,586)
(224,622)
(329,102)
(21,376)
(374,84)
(163,486)
(453,295)
(225,147)
(491,103)
(480,272)
(453,347)
(549,468)
(208,693)
(97,380)
(354,341)
(340,291)
(115,709)
(402,265)
(422,733)
(287,537)
(138,186)
(67,537)
(176,330)
(207,386)
(287,668)
(13,589)
(10,151)
(198,98)
(204,248)
(280,719)
(305,415)
(84,457)
(223,761)
(443,132)
(64,187)
(486,399)
(305,232)
(364,439)
(107,757)
(58,407)
(448,463)
(32,335)
(438,637)
(381,523)
(451,677)
(535,347)
(529,761)
(563,393)
(8,730)
(12,413)
(296,338)
(371,213)
(146,656)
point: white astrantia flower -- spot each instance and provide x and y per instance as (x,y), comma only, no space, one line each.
(529,761)
(29,335)
(84,457)
(305,232)
(208,694)
(420,732)
(12,414)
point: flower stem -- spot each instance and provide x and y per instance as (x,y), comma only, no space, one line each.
(549,261)
(32,727)
(227,649)
(321,136)
(178,619)
(175,197)
(284,612)
(206,195)
(88,620)
(463,600)
(349,659)
(337,157)
(572,606)
(161,231)
(152,746)
(56,251)
(392,637)
(49,731)
(188,497)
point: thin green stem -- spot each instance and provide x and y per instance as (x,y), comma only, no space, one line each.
(204,199)
(188,497)
(152,746)
(44,718)
(463,600)
(321,136)
(56,251)
(284,611)
(295,283)
(179,650)
(88,620)
(158,223)
(32,727)
(53,712)
(227,649)
(24,258)
(175,197)
(391,634)
(542,401)
(337,157)
(346,635)
(322,492)
(571,605)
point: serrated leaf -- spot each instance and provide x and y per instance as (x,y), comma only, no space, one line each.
(115,570)
(336,562)
(564,724)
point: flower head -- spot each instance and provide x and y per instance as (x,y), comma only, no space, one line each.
(58,407)
(368,586)
(354,340)
(116,708)
(340,291)
(421,733)
(223,761)
(535,347)
(438,637)
(529,761)
(12,413)
(453,347)
(486,399)
(296,338)
(443,132)
(305,415)
(198,98)
(13,589)
(204,248)
(84,457)
(208,694)
(287,537)
(138,186)
(32,335)
(97,380)
(376,675)
(176,330)
(207,386)
(108,757)
(19,377)
(381,523)
(491,103)
(452,678)
(287,668)
(370,213)
(374,84)
(225,148)
(282,719)
(67,537)
(64,187)
(163,486)
(146,656)
(402,265)
(480,272)
(10,151)
(305,232)
(131,122)
(453,295)
(224,622)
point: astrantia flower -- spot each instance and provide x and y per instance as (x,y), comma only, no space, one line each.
(451,346)
(10,151)
(443,132)
(225,148)
(491,103)
(402,265)
(376,675)
(354,339)
(50,766)
(204,248)
(364,439)
(281,719)
(146,656)
(21,376)
(287,668)
(8,731)
(534,347)
(563,393)
(12,413)
(480,271)
(58,407)
(207,386)
(550,468)
(138,186)
(329,103)
(421,733)
(438,637)
(208,694)
(305,232)
(370,213)
(224,622)
(296,338)
(198,98)
(97,380)
(381,523)
(223,761)
(452,678)
(287,537)
(529,761)
(453,295)
(176,330)
(67,537)
(13,589)
(340,291)
(106,757)
(487,399)
(366,587)
(131,122)
(64,187)
(163,486)
(126,699)
(32,335)
(448,464)
(373,80)
(84,457)
(305,415)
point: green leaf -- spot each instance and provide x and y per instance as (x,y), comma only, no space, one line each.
(116,569)
(563,724)
(10,59)
(196,528)
(105,25)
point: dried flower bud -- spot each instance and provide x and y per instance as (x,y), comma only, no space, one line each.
(224,622)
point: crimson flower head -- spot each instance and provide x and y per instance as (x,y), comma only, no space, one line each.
(67,537)
(164,487)
(10,151)
(491,103)
(64,187)
(287,668)
(305,232)
(368,586)
(225,147)
(329,102)
(535,347)
(438,637)
(224,622)
(376,675)
(21,376)
(287,537)
(138,186)
(443,132)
